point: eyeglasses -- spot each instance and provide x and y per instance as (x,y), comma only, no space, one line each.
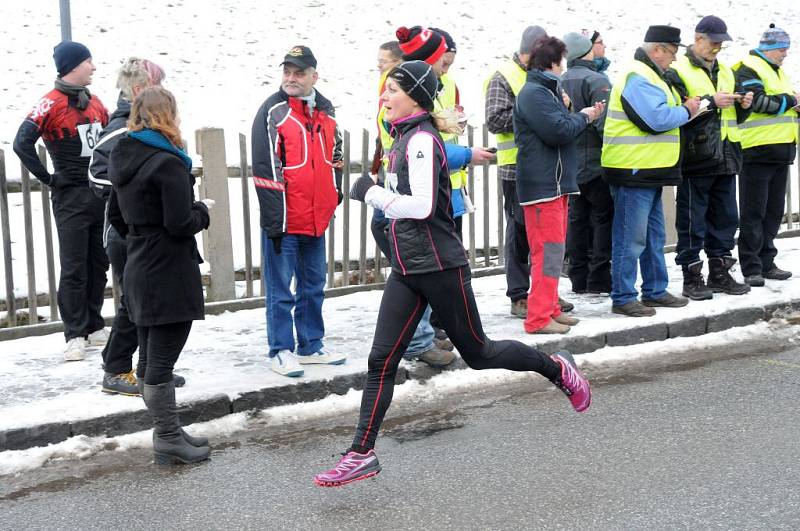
(600,42)
(672,51)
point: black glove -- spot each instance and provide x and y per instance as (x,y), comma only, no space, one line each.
(52,183)
(276,243)
(361,187)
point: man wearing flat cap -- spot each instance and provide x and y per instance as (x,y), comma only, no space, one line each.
(769,139)
(641,154)
(69,119)
(297,161)
(707,215)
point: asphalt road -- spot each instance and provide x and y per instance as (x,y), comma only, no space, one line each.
(699,440)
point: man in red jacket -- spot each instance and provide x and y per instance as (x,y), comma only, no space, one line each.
(297,161)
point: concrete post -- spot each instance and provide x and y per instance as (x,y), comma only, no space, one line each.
(217,247)
(668,202)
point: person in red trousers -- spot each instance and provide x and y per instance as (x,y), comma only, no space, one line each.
(545,132)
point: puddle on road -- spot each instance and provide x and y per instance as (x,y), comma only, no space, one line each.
(408,428)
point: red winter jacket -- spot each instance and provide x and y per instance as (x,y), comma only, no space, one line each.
(293,155)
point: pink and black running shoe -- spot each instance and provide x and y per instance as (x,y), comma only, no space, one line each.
(351,467)
(572,381)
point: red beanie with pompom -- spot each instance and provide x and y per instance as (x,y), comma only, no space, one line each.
(421,44)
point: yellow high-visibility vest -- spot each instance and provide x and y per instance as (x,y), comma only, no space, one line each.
(698,83)
(763,129)
(446,99)
(516,76)
(386,138)
(628,147)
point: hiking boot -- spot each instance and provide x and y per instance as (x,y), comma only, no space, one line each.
(566,306)
(693,285)
(351,467)
(572,381)
(285,363)
(322,357)
(776,273)
(755,281)
(120,384)
(667,301)
(443,344)
(75,350)
(169,444)
(551,328)
(520,308)
(98,338)
(436,357)
(720,279)
(566,320)
(633,309)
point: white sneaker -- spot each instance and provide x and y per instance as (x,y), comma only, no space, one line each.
(98,338)
(75,349)
(285,363)
(322,357)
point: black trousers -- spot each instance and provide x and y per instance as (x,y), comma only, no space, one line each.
(123,340)
(516,252)
(450,295)
(159,348)
(761,202)
(591,215)
(79,223)
(706,217)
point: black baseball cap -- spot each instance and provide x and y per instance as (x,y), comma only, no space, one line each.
(714,27)
(300,56)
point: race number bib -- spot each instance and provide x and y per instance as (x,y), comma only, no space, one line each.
(89,134)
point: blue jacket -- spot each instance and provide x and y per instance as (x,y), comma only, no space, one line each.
(545,133)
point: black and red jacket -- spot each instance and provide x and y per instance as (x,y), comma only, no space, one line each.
(293,156)
(69,135)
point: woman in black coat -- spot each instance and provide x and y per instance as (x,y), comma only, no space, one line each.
(152,205)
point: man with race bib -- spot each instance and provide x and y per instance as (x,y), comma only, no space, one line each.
(69,119)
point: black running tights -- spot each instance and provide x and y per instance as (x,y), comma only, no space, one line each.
(450,295)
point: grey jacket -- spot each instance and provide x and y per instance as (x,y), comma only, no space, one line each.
(585,86)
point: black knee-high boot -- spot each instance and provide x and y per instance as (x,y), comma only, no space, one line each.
(191,439)
(169,443)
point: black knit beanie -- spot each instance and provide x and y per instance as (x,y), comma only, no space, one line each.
(418,80)
(69,54)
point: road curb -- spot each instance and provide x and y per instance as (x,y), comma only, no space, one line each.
(217,406)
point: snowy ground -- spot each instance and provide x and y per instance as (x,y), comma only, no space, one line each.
(82,446)
(222,57)
(226,353)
